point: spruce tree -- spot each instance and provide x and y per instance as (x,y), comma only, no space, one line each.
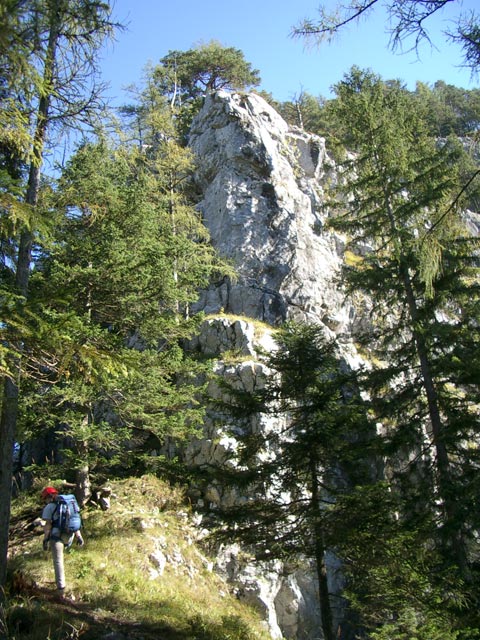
(294,472)
(401,204)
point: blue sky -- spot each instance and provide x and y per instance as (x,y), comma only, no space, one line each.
(261,29)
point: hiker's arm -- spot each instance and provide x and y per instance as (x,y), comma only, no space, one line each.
(79,539)
(47,529)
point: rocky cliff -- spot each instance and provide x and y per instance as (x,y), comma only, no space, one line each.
(262,186)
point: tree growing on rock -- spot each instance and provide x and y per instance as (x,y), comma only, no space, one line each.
(186,77)
(293,472)
(209,67)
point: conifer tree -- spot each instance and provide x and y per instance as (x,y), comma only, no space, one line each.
(401,206)
(303,111)
(318,450)
(127,261)
(186,77)
(395,582)
(209,67)
(54,58)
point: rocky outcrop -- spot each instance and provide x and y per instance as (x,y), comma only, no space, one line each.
(262,186)
(262,191)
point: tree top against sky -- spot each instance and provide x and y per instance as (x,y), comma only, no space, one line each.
(408,24)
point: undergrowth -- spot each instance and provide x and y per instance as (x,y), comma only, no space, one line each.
(140,575)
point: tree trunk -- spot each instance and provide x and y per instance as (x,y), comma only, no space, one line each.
(83,486)
(444,473)
(318,540)
(443,467)
(8,420)
(7,441)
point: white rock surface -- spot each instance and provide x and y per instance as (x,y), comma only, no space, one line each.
(262,186)
(262,189)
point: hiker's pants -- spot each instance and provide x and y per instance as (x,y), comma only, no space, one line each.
(57,547)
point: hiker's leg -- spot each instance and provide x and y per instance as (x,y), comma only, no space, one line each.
(57,555)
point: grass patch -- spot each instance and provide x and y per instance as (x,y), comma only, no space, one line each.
(353,259)
(259,326)
(140,573)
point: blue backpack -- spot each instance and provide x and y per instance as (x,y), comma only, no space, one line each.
(66,516)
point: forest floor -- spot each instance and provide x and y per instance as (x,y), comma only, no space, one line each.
(143,574)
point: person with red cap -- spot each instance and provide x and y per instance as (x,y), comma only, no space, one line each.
(54,539)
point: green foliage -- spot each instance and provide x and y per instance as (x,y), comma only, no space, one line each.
(113,576)
(395,579)
(48,59)
(18,76)
(185,77)
(410,625)
(209,67)
(293,473)
(402,198)
(143,248)
(128,258)
(317,115)
(447,111)
(305,112)
(423,184)
(450,109)
(315,400)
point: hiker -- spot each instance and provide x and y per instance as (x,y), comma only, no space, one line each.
(56,539)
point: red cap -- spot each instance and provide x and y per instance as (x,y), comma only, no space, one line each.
(49,491)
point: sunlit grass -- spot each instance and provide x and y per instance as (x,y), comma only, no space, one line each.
(259,326)
(119,579)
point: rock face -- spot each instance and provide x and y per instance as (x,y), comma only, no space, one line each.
(287,597)
(262,186)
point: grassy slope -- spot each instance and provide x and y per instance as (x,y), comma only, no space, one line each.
(116,579)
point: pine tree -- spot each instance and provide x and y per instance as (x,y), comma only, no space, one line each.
(401,206)
(209,67)
(56,47)
(186,77)
(318,450)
